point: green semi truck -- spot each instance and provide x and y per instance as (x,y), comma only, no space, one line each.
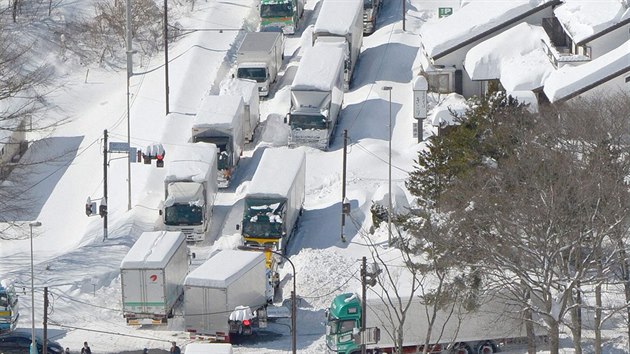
(281,15)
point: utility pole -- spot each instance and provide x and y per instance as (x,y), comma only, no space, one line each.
(104,215)
(45,344)
(403,13)
(129,74)
(343,186)
(363,301)
(166,56)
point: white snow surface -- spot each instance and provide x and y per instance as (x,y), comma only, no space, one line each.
(519,67)
(153,250)
(190,162)
(338,16)
(582,19)
(567,80)
(223,110)
(82,270)
(223,268)
(279,165)
(441,34)
(318,68)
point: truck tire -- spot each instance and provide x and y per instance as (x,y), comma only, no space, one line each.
(487,347)
(461,348)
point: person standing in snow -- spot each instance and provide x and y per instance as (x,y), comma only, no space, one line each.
(66,351)
(175,349)
(86,349)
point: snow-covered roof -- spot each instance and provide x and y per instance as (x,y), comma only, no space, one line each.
(276,171)
(219,110)
(222,269)
(190,162)
(319,68)
(338,16)
(570,81)
(474,21)
(519,67)
(185,193)
(205,348)
(239,87)
(153,250)
(584,20)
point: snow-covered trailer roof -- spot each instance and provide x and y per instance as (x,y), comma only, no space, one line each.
(222,269)
(190,162)
(153,250)
(217,111)
(205,348)
(185,193)
(319,68)
(337,16)
(239,87)
(276,172)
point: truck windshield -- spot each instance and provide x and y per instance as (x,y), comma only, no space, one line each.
(263,218)
(367,4)
(183,214)
(302,121)
(276,10)
(258,74)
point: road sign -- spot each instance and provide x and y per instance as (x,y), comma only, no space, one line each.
(445,11)
(118,147)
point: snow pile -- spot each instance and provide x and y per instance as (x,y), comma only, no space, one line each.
(582,19)
(520,67)
(440,35)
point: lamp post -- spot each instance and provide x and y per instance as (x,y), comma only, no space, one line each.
(33,349)
(389,164)
(293,302)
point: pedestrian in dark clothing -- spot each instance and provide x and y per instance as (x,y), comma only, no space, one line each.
(66,351)
(86,349)
(175,349)
(145,351)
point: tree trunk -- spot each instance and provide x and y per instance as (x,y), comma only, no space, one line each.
(576,319)
(554,337)
(625,274)
(529,325)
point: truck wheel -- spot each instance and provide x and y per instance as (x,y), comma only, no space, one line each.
(487,347)
(461,348)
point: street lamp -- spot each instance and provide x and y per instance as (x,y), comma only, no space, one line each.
(33,349)
(293,294)
(389,164)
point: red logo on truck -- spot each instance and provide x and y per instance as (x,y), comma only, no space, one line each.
(153,277)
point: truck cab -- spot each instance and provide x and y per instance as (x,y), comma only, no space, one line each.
(258,72)
(343,322)
(182,214)
(370,13)
(8,308)
(281,15)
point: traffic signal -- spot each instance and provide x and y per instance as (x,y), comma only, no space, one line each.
(159,161)
(90,207)
(102,209)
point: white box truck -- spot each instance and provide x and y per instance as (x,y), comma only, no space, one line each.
(274,200)
(219,120)
(316,96)
(190,189)
(152,277)
(248,90)
(226,296)
(492,326)
(341,21)
(208,348)
(259,58)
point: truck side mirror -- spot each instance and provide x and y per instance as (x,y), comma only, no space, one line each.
(286,118)
(193,255)
(160,212)
(238,226)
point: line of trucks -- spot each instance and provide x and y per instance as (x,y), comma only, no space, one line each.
(229,293)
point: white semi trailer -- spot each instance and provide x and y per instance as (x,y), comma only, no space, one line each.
(274,200)
(152,277)
(226,296)
(219,120)
(190,189)
(341,21)
(317,96)
(248,90)
(259,58)
(494,325)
